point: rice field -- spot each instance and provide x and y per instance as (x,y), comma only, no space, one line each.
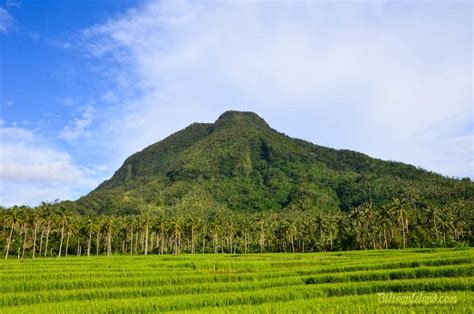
(397,281)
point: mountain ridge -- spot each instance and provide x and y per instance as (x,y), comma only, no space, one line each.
(240,162)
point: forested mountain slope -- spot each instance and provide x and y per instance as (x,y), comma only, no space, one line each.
(241,163)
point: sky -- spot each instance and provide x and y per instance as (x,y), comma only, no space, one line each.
(84,84)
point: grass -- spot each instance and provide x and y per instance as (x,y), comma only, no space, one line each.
(394,281)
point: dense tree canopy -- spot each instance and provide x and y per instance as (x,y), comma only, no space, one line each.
(200,225)
(247,166)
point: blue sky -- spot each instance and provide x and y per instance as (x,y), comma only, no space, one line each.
(84,84)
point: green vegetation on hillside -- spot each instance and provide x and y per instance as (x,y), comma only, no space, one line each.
(198,224)
(239,186)
(404,281)
(245,165)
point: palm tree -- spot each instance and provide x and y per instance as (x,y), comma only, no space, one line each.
(177,232)
(447,224)
(214,228)
(98,228)
(245,226)
(145,218)
(194,222)
(262,223)
(356,215)
(74,227)
(162,226)
(331,225)
(36,219)
(63,215)
(386,219)
(131,226)
(89,228)
(433,219)
(25,221)
(13,218)
(48,216)
(109,227)
(291,231)
(400,208)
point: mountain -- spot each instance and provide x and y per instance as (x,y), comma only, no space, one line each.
(241,163)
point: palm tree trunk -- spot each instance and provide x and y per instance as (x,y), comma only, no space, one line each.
(9,241)
(262,239)
(245,243)
(41,241)
(203,244)
(25,233)
(34,239)
(136,242)
(109,241)
(61,241)
(215,242)
(162,246)
(97,244)
(67,244)
(406,226)
(146,238)
(89,240)
(192,239)
(48,230)
(330,239)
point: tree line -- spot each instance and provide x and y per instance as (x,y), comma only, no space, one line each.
(54,230)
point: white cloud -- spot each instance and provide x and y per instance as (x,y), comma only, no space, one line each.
(12,4)
(69,101)
(78,126)
(369,76)
(35,36)
(109,97)
(14,133)
(7,21)
(31,170)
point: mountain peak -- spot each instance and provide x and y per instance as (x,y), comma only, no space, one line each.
(243,164)
(233,118)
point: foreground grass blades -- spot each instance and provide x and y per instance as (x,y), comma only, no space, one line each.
(385,281)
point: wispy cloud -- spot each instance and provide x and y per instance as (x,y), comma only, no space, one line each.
(369,76)
(35,36)
(7,21)
(33,170)
(78,126)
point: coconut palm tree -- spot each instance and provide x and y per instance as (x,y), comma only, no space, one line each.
(109,225)
(99,223)
(89,228)
(145,219)
(36,220)
(63,218)
(386,221)
(13,218)
(262,223)
(48,217)
(400,208)
(25,224)
(291,231)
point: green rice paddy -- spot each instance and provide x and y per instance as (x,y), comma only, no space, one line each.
(397,281)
